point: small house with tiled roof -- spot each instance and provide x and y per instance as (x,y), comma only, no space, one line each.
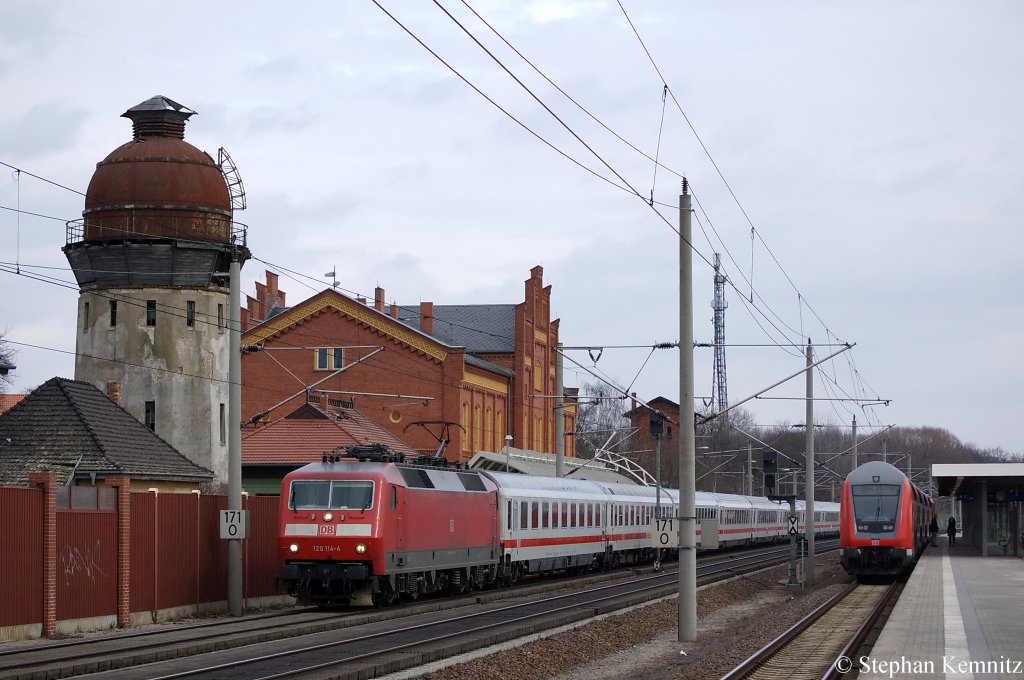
(271,451)
(71,428)
(472,373)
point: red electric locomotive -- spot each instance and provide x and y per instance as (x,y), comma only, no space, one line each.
(883,521)
(366,531)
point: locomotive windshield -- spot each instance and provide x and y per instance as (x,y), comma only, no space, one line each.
(325,494)
(875,502)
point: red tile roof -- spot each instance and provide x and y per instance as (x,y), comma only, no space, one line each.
(9,400)
(307,434)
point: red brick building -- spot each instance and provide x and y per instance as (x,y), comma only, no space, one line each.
(485,370)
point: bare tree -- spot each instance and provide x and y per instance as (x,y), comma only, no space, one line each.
(600,420)
(6,363)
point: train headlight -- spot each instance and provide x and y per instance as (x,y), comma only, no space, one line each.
(328,516)
(862,527)
(887,527)
(294,547)
(360,548)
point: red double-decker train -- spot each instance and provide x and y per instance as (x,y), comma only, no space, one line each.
(883,521)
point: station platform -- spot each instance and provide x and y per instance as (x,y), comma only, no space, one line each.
(961,617)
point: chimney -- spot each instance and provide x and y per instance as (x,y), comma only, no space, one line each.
(114,391)
(394,310)
(427,317)
(378,298)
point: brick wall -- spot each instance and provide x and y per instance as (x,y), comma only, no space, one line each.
(273,376)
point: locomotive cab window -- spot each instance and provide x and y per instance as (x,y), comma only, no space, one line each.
(317,494)
(875,502)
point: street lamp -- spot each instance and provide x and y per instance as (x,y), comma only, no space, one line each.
(508,444)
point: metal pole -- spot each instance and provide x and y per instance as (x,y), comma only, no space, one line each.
(235,435)
(687,448)
(657,500)
(854,443)
(748,484)
(559,420)
(793,579)
(657,474)
(809,479)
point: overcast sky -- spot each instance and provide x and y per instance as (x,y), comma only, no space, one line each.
(877,149)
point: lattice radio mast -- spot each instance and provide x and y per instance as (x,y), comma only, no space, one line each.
(718,388)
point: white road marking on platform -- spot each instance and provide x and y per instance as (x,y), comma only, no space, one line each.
(953,622)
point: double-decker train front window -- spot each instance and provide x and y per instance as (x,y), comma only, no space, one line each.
(875,506)
(323,494)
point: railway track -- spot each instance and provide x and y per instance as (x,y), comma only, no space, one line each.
(812,648)
(177,648)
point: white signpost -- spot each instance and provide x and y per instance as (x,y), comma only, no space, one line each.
(234,524)
(664,533)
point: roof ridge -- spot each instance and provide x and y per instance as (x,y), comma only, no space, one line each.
(381,322)
(93,434)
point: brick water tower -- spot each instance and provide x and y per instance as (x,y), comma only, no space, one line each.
(151,255)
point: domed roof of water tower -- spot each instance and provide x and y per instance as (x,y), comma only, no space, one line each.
(158,186)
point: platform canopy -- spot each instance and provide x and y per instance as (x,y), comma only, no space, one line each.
(1004,481)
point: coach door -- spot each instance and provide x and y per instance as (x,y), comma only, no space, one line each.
(396,508)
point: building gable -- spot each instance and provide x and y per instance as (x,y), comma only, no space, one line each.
(332,301)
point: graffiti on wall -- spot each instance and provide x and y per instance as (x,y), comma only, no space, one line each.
(75,560)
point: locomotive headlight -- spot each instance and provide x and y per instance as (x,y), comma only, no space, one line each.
(294,547)
(328,516)
(360,548)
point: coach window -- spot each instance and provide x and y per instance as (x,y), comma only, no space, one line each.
(535,515)
(565,515)
(545,515)
(524,515)
(508,511)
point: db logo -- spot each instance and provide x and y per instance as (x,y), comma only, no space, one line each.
(874,541)
(326,529)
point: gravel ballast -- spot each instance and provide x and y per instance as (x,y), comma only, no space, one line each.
(735,618)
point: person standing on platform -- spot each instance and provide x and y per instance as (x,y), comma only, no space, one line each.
(933,529)
(951,531)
